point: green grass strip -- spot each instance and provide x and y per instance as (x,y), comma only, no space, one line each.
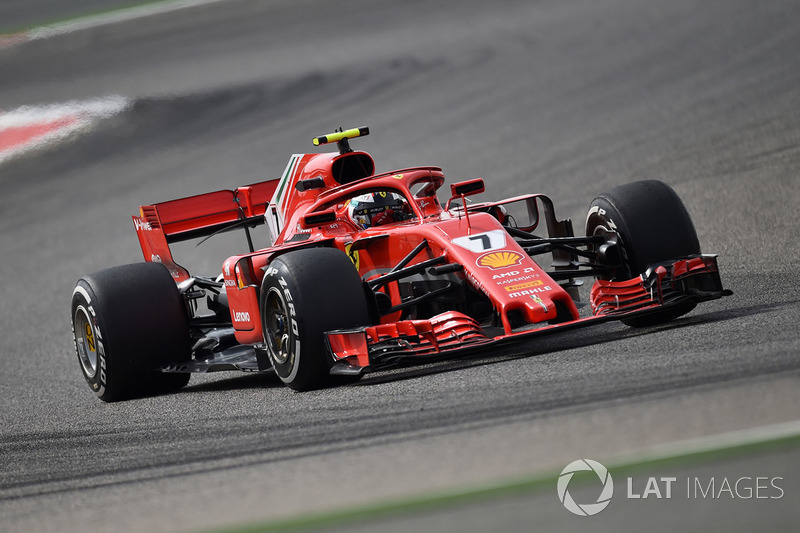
(512,488)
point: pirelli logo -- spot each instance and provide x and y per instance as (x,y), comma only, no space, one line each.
(526,285)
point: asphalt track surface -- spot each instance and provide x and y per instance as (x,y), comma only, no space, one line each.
(564,98)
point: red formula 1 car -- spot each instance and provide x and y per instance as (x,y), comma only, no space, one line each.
(366,271)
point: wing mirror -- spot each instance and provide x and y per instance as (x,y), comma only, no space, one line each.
(465,188)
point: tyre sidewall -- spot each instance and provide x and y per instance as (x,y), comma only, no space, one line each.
(282,285)
(140,324)
(83,301)
(603,219)
(320,291)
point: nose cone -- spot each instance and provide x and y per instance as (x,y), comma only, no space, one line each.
(495,264)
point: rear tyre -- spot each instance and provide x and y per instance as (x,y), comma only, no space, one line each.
(650,224)
(304,294)
(127,322)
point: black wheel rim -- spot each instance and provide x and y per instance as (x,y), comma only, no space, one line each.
(85,341)
(278,327)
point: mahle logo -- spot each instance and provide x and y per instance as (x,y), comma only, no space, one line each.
(585,509)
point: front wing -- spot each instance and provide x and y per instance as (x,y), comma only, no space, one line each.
(665,285)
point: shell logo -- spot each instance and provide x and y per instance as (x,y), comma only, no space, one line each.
(495,260)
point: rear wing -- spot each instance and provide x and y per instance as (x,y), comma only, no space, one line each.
(203,215)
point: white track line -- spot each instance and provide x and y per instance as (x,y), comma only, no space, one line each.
(102,19)
(710,443)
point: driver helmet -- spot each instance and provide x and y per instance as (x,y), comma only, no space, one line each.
(378,208)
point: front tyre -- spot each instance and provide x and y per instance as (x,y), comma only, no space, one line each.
(650,224)
(304,294)
(127,322)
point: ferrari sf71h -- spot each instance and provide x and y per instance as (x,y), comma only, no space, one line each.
(367,271)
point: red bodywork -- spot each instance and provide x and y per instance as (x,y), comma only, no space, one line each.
(314,213)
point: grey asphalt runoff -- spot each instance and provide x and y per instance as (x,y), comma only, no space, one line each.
(563,98)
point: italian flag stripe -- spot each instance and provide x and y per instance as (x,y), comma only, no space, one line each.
(281,195)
